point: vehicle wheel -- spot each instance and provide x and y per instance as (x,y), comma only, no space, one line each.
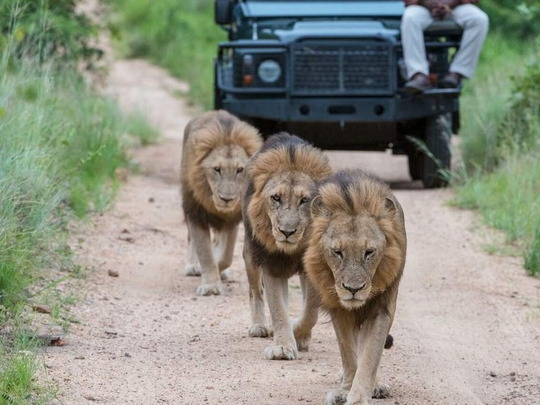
(218,96)
(437,135)
(415,164)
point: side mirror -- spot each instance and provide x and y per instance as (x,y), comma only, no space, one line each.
(224,12)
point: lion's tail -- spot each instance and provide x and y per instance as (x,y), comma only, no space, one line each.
(389,342)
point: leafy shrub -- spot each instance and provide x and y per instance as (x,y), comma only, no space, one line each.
(178,35)
(518,19)
(46,30)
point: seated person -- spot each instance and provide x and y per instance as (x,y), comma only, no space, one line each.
(420,14)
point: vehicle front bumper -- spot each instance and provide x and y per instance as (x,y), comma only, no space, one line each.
(350,109)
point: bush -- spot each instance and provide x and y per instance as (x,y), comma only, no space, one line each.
(46,30)
(501,145)
(178,35)
(60,146)
(518,19)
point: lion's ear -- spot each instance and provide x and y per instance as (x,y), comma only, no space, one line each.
(390,205)
(318,209)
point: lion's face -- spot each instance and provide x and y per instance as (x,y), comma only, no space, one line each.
(225,172)
(287,198)
(353,248)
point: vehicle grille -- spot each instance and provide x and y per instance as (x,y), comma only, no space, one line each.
(362,68)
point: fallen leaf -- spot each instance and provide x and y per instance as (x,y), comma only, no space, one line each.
(42,309)
(57,342)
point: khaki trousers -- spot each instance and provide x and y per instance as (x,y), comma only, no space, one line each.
(416,19)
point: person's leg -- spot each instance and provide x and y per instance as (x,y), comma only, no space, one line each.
(475,24)
(413,23)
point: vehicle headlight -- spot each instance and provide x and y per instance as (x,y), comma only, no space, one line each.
(269,71)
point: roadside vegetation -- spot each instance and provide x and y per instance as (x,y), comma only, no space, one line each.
(181,36)
(501,130)
(60,145)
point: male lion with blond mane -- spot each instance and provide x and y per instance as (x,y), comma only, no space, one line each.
(355,260)
(277,221)
(217,147)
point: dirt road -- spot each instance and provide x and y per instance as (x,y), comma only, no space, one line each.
(467,329)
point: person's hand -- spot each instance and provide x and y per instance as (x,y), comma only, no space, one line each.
(431,4)
(450,4)
(435,7)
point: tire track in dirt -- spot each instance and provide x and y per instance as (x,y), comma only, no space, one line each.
(144,337)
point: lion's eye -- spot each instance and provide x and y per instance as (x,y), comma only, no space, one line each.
(368,254)
(217,169)
(239,170)
(338,253)
(276,198)
(304,200)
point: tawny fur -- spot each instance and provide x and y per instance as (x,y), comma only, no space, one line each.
(217,147)
(267,164)
(358,213)
(288,166)
(204,134)
(368,199)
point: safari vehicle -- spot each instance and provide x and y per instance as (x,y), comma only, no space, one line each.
(333,73)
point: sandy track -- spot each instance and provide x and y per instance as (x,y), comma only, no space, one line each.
(146,339)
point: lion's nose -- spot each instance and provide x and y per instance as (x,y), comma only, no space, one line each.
(286,232)
(226,199)
(353,290)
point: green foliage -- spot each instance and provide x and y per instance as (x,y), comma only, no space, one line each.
(46,30)
(532,255)
(60,146)
(18,370)
(138,126)
(487,98)
(501,144)
(514,18)
(178,35)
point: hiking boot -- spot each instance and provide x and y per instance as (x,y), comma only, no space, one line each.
(418,84)
(451,80)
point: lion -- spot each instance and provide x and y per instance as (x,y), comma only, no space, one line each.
(355,261)
(277,222)
(216,149)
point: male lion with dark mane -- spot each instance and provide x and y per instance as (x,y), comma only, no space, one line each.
(355,260)
(217,147)
(277,221)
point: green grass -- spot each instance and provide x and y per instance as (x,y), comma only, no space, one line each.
(500,145)
(60,145)
(178,35)
(20,366)
(486,99)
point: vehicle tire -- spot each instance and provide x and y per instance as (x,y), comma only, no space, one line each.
(218,96)
(415,163)
(437,136)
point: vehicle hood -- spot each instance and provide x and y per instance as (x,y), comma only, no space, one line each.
(291,9)
(330,29)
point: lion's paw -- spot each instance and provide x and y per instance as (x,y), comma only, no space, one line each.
(225,274)
(281,353)
(336,397)
(209,289)
(303,339)
(259,331)
(192,270)
(381,391)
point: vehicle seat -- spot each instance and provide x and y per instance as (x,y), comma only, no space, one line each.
(443,28)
